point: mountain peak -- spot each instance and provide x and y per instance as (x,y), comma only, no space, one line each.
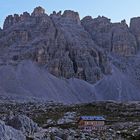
(68,47)
(71,15)
(38,11)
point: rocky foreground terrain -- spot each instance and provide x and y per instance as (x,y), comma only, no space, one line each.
(62,58)
(53,121)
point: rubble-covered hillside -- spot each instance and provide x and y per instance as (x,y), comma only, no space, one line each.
(59,57)
(52,121)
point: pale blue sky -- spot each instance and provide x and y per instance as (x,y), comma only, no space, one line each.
(114,9)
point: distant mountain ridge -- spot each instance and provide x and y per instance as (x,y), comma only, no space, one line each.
(102,57)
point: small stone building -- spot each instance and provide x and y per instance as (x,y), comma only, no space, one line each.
(90,123)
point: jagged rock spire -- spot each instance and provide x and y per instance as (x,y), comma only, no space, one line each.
(25,16)
(72,15)
(8,21)
(38,11)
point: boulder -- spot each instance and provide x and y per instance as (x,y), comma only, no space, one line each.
(69,117)
(9,133)
(24,124)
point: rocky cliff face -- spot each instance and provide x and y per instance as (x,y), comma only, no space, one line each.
(113,37)
(68,47)
(134,28)
(58,41)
